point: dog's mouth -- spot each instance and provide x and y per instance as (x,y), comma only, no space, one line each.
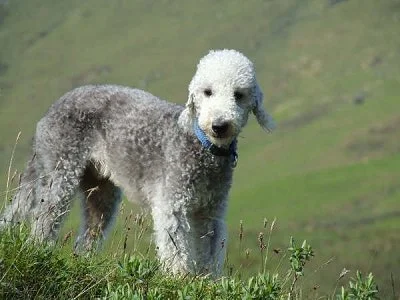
(221,136)
(222,139)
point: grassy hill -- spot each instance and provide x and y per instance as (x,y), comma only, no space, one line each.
(39,271)
(330,71)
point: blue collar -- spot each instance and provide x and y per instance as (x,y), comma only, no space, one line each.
(215,150)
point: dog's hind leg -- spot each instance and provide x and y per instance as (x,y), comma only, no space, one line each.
(100,200)
(54,191)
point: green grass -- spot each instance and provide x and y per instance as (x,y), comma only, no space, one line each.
(329,173)
(38,271)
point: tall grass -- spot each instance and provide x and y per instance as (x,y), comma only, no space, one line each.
(29,270)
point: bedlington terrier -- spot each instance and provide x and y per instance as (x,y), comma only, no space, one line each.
(96,140)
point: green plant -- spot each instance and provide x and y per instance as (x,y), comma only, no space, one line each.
(139,269)
(360,288)
(299,255)
(263,286)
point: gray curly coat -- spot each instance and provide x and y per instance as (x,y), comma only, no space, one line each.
(96,140)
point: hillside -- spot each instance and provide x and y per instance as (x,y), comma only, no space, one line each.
(330,71)
(39,271)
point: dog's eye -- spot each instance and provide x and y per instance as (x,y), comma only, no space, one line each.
(208,92)
(238,95)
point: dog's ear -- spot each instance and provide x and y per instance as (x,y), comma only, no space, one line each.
(187,116)
(263,117)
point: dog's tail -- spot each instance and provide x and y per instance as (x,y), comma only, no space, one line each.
(17,208)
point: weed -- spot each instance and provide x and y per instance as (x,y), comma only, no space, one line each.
(360,288)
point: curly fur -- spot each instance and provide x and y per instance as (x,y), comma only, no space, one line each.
(96,140)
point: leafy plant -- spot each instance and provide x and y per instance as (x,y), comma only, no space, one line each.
(264,286)
(299,255)
(360,288)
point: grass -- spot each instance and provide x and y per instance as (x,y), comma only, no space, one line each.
(40,271)
(330,73)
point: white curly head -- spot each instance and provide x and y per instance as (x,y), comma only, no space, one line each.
(222,93)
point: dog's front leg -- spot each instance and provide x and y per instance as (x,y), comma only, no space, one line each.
(172,237)
(212,245)
(192,242)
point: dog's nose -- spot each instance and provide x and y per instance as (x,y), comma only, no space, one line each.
(220,127)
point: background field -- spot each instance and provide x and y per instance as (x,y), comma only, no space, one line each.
(330,71)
